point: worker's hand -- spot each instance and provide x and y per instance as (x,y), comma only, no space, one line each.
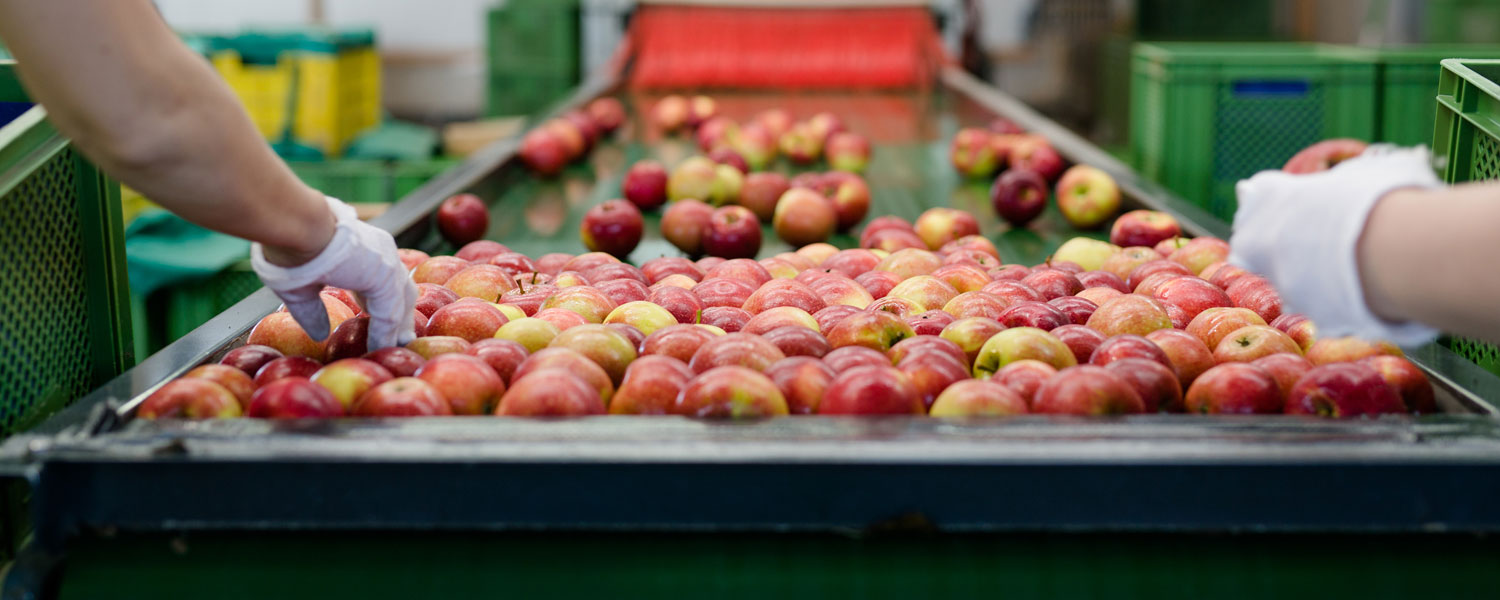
(360,258)
(1302,233)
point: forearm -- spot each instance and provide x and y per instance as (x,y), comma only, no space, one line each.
(1431,256)
(154,115)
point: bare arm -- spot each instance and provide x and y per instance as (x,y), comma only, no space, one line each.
(1432,256)
(118,82)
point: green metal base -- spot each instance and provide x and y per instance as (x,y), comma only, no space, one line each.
(640,565)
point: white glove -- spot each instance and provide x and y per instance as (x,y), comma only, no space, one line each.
(360,258)
(1301,232)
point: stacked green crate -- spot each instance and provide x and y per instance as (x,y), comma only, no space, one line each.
(1466,143)
(1408,84)
(532,55)
(1206,115)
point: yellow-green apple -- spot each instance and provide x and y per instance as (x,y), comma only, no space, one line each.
(190,398)
(780,316)
(761,193)
(651,386)
(530,333)
(795,340)
(1156,384)
(1234,388)
(1099,295)
(601,344)
(835,288)
(1154,267)
(931,373)
(1143,228)
(878,283)
(1214,324)
(963,278)
(250,358)
(730,392)
(1087,196)
(504,356)
(847,151)
(677,341)
(852,262)
(1253,341)
(550,392)
(803,216)
(467,383)
(830,316)
(910,262)
(286,366)
(739,349)
(471,321)
(411,257)
(670,113)
(973,154)
(463,218)
(1122,263)
(727,184)
(642,315)
(801,144)
(1088,253)
(1129,313)
(939,225)
(1039,315)
(1020,343)
(430,346)
(402,397)
(802,381)
(1323,155)
(1019,196)
(682,304)
(692,179)
(1343,390)
(978,398)
(349,378)
(1410,383)
(1012,292)
(1129,346)
(1285,367)
(1192,295)
(1087,390)
(1255,293)
(684,223)
(293,398)
(1035,153)
(848,357)
(1348,349)
(1024,377)
(732,232)
(1189,355)
(976,304)
(1079,339)
(871,390)
(877,330)
(1200,252)
(727,318)
(607,112)
(1078,310)
(481,251)
(930,322)
(783,292)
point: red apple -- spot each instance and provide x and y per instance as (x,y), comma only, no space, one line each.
(550,392)
(1129,313)
(1251,342)
(411,257)
(250,358)
(589,303)
(878,283)
(731,392)
(613,226)
(780,316)
(479,251)
(931,373)
(677,341)
(733,232)
(467,383)
(1189,356)
(910,262)
(1410,383)
(651,386)
(601,344)
(976,304)
(1051,283)
(872,329)
(1024,377)
(432,296)
(795,340)
(1121,264)
(400,362)
(1200,252)
(724,155)
(1139,274)
(926,344)
(1019,196)
(1222,274)
(1192,295)
(723,291)
(1087,390)
(1234,388)
(761,193)
(1039,315)
(1323,155)
(1285,367)
(401,397)
(670,113)
(802,381)
(830,316)
(803,216)
(926,291)
(1034,153)
(1129,346)
(1348,349)
(1078,310)
(230,378)
(486,282)
(801,144)
(1214,324)
(973,154)
(1080,339)
(280,331)
(852,263)
(576,364)
(849,357)
(900,307)
(293,398)
(1343,390)
(729,319)
(544,151)
(463,218)
(471,321)
(851,198)
(1255,293)
(607,112)
(871,390)
(286,366)
(739,349)
(1155,383)
(684,224)
(1143,228)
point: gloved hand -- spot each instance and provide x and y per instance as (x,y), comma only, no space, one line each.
(360,258)
(1301,232)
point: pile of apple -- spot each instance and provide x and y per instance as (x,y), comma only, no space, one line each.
(1152,322)
(1028,165)
(549,147)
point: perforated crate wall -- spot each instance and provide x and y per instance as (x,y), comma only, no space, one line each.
(193,304)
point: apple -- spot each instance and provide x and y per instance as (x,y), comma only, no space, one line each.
(349,378)
(1189,356)
(1214,324)
(1019,196)
(825,124)
(727,184)
(1323,155)
(1129,346)
(923,345)
(470,321)
(411,257)
(729,319)
(838,289)
(926,291)
(1410,383)
(847,151)
(544,151)
(230,378)
(438,269)
(1234,388)
(502,355)
(876,330)
(293,398)
(1020,343)
(468,383)
(550,392)
(1285,367)
(976,304)
(644,316)
(661,267)
(530,333)
(723,291)
(1155,272)
(1343,390)
(463,218)
(670,113)
(730,392)
(651,386)
(878,283)
(801,144)
(851,198)
(250,358)
(803,216)
(848,357)
(1192,295)
(576,364)
(682,304)
(900,307)
(1035,153)
(795,340)
(608,348)
(585,126)
(1222,274)
(1012,292)
(802,381)
(613,226)
(286,366)
(402,397)
(817,253)
(1078,310)
(739,269)
(520,267)
(479,251)
(1156,384)
(776,120)
(1081,340)
(1087,196)
(761,192)
(1143,228)
(1121,264)
(973,154)
(1039,315)
(1024,377)
(910,262)
(1087,253)
(940,225)
(621,291)
(830,316)
(780,316)
(756,143)
(430,346)
(1200,252)
(700,109)
(1100,295)
(892,240)
(1010,273)
(1052,284)
(1129,313)
(693,179)
(677,341)
(732,232)
(726,156)
(568,134)
(607,112)
(851,263)
(1168,246)
(280,331)
(1348,349)
(587,302)
(1253,341)
(979,260)
(931,373)
(1087,390)
(432,296)
(552,262)
(882,222)
(1255,293)
(972,243)
(739,349)
(871,390)
(684,224)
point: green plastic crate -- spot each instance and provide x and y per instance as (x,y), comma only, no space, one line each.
(1408,82)
(347,180)
(409,175)
(64,303)
(1466,143)
(1206,115)
(1462,21)
(531,55)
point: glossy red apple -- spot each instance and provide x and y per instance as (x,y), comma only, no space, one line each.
(871,390)
(732,232)
(1234,388)
(1155,383)
(250,358)
(1143,228)
(1286,368)
(463,218)
(1024,377)
(684,224)
(1407,379)
(293,398)
(1343,390)
(550,392)
(1087,390)
(286,366)
(401,397)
